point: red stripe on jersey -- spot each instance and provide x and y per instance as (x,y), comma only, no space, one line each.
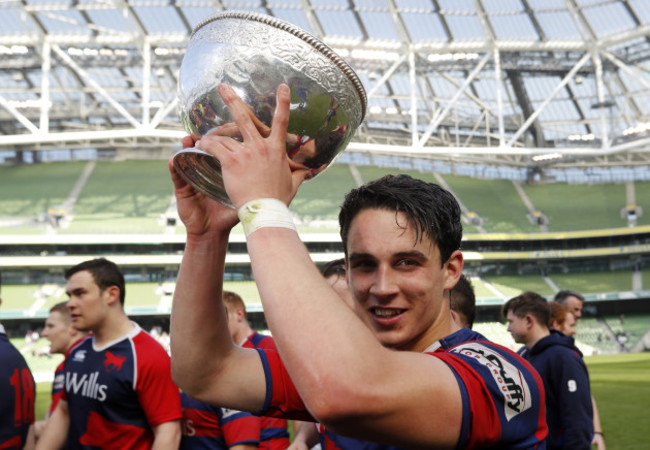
(100,431)
(157,393)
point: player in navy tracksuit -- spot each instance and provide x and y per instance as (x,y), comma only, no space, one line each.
(558,361)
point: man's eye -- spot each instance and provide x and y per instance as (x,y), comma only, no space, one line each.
(362,264)
(407,262)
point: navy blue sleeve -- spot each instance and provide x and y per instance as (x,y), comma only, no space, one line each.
(574,400)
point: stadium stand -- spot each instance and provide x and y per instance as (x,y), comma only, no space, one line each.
(579,206)
(505,255)
(496,201)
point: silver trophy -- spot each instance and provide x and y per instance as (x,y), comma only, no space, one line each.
(254,54)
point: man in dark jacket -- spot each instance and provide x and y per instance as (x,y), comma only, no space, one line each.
(569,412)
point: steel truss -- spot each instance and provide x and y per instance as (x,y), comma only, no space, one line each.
(465,101)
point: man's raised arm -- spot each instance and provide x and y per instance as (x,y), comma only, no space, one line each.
(202,352)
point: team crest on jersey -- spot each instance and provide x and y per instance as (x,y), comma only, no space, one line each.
(113,362)
(507,376)
(79,356)
(226,412)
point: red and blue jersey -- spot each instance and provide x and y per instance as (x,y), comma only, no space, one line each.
(17,394)
(502,395)
(57,384)
(274,434)
(118,392)
(210,427)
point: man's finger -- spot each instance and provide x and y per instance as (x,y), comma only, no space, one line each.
(281,114)
(240,112)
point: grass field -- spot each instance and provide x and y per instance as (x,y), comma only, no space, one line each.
(620,384)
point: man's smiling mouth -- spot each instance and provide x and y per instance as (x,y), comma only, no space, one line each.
(385,313)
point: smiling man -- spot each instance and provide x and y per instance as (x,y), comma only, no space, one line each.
(446,387)
(117,383)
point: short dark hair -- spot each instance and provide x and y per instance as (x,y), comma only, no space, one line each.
(529,303)
(105,273)
(432,210)
(463,300)
(334,267)
(562,295)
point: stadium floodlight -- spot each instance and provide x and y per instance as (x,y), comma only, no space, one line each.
(547,157)
(639,128)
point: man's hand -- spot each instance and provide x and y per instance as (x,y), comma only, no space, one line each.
(199,213)
(259,166)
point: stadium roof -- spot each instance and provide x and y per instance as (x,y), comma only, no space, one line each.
(521,83)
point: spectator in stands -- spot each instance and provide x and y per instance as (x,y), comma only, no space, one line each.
(62,336)
(566,381)
(463,302)
(17,395)
(572,299)
(118,386)
(401,238)
(210,427)
(274,434)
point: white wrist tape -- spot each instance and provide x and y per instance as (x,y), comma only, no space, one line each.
(265,212)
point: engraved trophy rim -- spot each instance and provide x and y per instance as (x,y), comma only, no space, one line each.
(310,39)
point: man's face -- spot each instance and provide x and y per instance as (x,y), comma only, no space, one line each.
(87,304)
(569,326)
(575,304)
(57,331)
(398,283)
(517,327)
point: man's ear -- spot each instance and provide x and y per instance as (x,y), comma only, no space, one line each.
(530,321)
(453,269)
(113,294)
(240,314)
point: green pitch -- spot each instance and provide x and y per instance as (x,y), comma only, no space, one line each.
(620,384)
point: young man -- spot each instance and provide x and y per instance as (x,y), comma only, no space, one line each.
(62,336)
(274,434)
(560,364)
(17,395)
(401,238)
(118,387)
